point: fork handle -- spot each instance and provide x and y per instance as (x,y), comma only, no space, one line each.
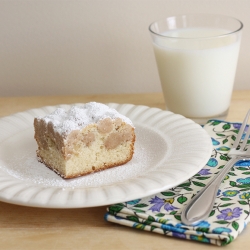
(201,205)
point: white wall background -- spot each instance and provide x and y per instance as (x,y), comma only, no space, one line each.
(59,47)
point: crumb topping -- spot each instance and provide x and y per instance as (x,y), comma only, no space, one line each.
(80,116)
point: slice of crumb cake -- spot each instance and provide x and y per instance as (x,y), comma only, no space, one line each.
(85,139)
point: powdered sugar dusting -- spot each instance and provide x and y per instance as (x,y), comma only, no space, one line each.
(150,151)
(81,115)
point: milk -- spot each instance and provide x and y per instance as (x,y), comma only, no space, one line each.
(197,75)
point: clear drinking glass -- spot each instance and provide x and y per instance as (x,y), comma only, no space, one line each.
(197,56)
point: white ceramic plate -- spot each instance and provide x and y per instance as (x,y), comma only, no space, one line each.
(169,149)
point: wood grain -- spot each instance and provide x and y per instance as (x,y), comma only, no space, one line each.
(27,228)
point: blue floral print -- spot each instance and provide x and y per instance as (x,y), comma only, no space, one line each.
(204,171)
(212,162)
(159,203)
(203,224)
(230,193)
(161,213)
(245,196)
(179,235)
(220,230)
(229,214)
(244,180)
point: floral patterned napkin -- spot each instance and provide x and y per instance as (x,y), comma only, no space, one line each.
(161,213)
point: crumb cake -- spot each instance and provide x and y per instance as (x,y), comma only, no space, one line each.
(84,139)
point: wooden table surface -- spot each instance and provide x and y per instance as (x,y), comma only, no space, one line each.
(85,228)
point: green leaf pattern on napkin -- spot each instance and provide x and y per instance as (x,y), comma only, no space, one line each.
(161,213)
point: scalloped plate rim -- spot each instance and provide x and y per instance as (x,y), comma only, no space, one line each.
(92,193)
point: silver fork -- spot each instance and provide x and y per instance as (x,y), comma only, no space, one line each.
(201,205)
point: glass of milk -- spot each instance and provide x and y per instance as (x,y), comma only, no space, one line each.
(197,57)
